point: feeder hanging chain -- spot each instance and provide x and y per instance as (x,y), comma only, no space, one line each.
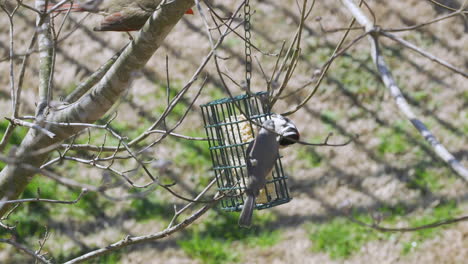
(248,52)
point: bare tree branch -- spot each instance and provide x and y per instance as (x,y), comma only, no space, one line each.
(395,91)
(129,240)
(18,122)
(45,57)
(91,107)
(409,229)
(28,200)
(444,6)
(425,53)
(324,69)
(26,250)
(86,85)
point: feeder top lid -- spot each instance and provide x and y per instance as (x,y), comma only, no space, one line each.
(233,99)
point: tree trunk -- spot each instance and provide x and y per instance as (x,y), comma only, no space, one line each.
(91,107)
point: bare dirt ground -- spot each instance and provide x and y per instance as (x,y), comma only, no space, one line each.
(380,168)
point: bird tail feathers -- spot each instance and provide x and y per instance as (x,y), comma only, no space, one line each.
(245,219)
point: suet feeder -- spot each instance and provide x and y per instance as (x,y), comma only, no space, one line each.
(229,133)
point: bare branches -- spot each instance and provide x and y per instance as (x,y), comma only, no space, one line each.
(325,142)
(42,242)
(395,91)
(184,90)
(14,99)
(88,108)
(28,200)
(6,137)
(180,120)
(119,159)
(26,250)
(101,148)
(179,212)
(121,140)
(58,5)
(132,240)
(24,64)
(378,227)
(325,68)
(19,122)
(70,119)
(11,55)
(45,56)
(425,53)
(295,55)
(446,7)
(86,85)
(7,215)
(458,12)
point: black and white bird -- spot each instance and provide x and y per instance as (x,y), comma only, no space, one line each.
(261,156)
(286,129)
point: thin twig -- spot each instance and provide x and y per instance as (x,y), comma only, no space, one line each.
(323,71)
(86,85)
(28,200)
(425,53)
(130,240)
(11,55)
(6,136)
(435,20)
(444,6)
(24,64)
(26,250)
(37,127)
(409,229)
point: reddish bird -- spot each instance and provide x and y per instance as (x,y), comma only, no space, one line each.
(120,15)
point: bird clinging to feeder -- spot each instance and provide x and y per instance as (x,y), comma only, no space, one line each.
(231,126)
(261,156)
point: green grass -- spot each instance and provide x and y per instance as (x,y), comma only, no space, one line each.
(441,212)
(232,42)
(215,92)
(310,155)
(341,238)
(179,109)
(465,124)
(195,153)
(192,154)
(213,241)
(150,208)
(31,219)
(113,258)
(15,139)
(421,96)
(425,178)
(208,249)
(393,142)
(18,133)
(329,116)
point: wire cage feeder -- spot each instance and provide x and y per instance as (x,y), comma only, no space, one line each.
(229,133)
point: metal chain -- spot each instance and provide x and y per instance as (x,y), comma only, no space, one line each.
(248,51)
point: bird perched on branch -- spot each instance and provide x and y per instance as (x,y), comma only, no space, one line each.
(261,156)
(120,15)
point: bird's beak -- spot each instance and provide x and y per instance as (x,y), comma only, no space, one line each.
(290,135)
